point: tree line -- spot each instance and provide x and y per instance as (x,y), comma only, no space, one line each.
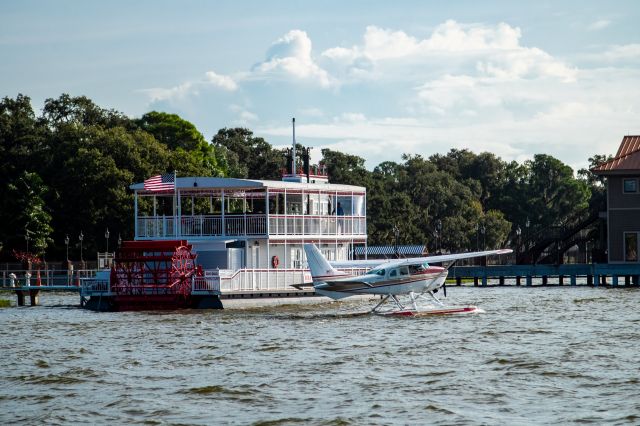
(67,171)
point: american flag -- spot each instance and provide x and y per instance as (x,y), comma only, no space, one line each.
(165,182)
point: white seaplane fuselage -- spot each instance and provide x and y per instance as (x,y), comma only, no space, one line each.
(391,278)
(413,276)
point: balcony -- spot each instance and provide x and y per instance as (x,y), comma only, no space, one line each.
(151,227)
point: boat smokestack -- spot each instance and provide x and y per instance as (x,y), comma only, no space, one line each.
(293,149)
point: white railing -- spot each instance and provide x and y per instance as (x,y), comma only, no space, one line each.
(257,280)
(250,225)
(227,281)
(206,285)
(317,225)
(156,227)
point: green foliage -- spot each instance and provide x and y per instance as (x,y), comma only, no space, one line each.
(81,111)
(345,168)
(193,155)
(28,212)
(247,156)
(69,171)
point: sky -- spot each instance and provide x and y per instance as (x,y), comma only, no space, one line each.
(377,79)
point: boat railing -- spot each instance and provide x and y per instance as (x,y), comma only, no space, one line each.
(249,225)
(206,284)
(316,225)
(257,280)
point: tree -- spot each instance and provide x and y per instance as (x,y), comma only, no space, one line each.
(81,111)
(346,169)
(21,188)
(247,156)
(552,191)
(185,140)
(29,213)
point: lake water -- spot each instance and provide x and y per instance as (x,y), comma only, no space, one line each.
(537,356)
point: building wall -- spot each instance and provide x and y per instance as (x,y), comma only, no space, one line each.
(623,216)
(617,198)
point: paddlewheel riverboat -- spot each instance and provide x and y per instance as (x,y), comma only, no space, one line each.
(206,240)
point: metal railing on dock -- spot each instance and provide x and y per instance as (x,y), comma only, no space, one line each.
(47,279)
(594,274)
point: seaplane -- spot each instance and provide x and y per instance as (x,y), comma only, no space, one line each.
(415,277)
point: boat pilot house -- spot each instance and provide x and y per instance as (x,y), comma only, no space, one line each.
(255,226)
(623,201)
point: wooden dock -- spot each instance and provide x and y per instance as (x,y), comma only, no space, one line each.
(588,274)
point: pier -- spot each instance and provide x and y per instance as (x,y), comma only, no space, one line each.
(25,284)
(245,283)
(594,274)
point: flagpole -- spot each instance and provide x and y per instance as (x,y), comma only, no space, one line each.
(176,222)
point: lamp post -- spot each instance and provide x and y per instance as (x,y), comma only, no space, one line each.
(66,243)
(81,237)
(438,231)
(518,233)
(106,237)
(119,241)
(26,237)
(396,234)
(484,240)
(477,237)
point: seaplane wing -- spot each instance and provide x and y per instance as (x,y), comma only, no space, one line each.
(389,279)
(416,260)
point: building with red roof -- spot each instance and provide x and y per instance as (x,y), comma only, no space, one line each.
(623,201)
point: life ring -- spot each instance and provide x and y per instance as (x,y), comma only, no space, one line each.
(275,261)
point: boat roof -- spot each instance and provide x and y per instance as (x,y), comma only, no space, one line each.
(200,182)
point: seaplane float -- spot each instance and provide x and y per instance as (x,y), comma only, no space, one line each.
(390,279)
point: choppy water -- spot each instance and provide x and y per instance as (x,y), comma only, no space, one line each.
(537,356)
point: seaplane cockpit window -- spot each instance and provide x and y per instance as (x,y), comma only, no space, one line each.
(393,273)
(380,272)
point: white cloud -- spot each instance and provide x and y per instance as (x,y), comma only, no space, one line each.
(570,122)
(191,88)
(470,86)
(160,94)
(222,81)
(599,25)
(351,117)
(526,63)
(312,112)
(291,56)
(495,50)
(627,51)
(244,117)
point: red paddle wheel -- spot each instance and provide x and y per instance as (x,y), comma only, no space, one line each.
(152,275)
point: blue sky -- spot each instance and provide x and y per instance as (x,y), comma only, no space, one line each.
(376,79)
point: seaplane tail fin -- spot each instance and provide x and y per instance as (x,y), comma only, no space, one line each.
(320,268)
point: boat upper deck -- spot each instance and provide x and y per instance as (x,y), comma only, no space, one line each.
(217,208)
